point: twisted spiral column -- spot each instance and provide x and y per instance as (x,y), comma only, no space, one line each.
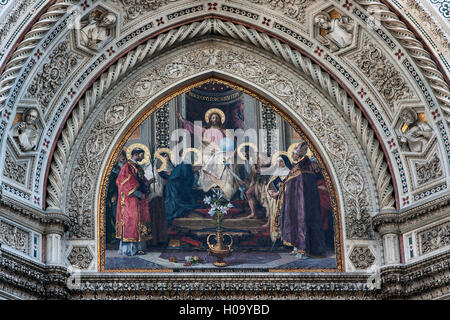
(98,90)
(415,49)
(360,125)
(28,44)
(239,32)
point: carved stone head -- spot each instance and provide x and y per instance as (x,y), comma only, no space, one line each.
(108,20)
(30,116)
(408,116)
(322,20)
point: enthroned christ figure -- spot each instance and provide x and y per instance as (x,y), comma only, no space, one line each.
(218,149)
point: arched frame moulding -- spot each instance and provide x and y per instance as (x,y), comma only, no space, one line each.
(355,111)
(150,110)
(374,144)
(276,82)
(152,47)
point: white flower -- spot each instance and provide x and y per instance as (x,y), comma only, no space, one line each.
(207,200)
(224,209)
(230,205)
(211,212)
(218,193)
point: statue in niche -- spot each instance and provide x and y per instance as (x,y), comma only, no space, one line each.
(414,134)
(25,132)
(97,29)
(335,33)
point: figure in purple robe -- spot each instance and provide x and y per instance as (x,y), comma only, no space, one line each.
(298,209)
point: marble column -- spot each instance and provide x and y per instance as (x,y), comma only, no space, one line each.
(386,226)
(53,250)
(54,237)
(391,247)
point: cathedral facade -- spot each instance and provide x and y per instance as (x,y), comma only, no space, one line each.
(349,99)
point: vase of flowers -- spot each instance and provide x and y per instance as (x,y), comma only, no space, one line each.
(219,209)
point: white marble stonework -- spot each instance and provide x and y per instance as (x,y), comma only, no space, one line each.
(367,82)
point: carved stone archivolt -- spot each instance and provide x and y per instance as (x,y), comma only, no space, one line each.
(407,281)
(415,48)
(358,122)
(382,168)
(28,44)
(112,117)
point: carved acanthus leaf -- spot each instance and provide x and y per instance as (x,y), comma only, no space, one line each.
(53,73)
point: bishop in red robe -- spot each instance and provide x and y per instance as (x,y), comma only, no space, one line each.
(133,225)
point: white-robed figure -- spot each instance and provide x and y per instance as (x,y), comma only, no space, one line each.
(218,150)
(97,29)
(338,32)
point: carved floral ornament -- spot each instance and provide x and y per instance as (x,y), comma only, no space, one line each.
(360,121)
(102,86)
(295,9)
(112,117)
(362,257)
(287,7)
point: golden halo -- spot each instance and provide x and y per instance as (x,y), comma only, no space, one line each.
(241,155)
(197,152)
(143,147)
(215,110)
(163,160)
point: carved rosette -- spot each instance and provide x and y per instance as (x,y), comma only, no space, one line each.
(80,257)
(362,257)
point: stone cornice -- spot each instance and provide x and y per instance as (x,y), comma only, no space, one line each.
(43,282)
(55,219)
(420,279)
(411,216)
(298,286)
